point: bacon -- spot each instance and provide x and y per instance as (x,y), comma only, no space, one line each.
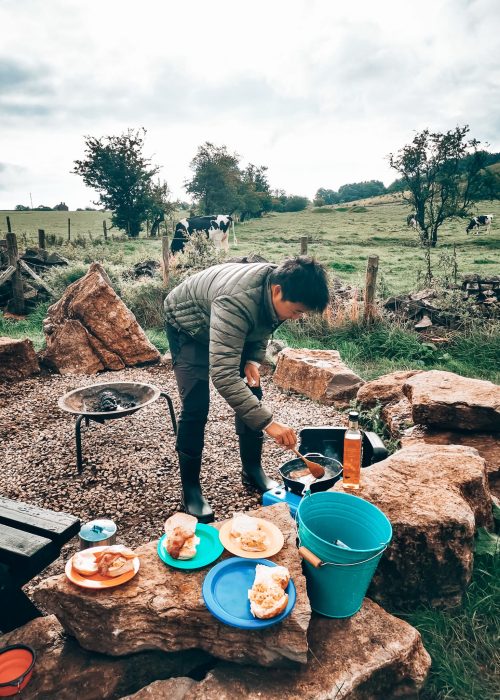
(175,542)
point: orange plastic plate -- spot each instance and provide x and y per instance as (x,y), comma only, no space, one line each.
(98,581)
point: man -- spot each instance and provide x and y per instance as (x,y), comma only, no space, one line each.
(218,322)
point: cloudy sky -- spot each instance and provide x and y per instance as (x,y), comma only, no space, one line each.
(318,91)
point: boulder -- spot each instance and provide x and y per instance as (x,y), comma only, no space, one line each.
(174,689)
(18,359)
(487,444)
(385,389)
(318,374)
(90,329)
(274,347)
(65,671)
(435,496)
(163,608)
(370,655)
(447,400)
(397,416)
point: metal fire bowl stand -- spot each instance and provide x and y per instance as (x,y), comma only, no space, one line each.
(79,402)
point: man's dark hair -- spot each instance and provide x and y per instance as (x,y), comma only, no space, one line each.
(303,280)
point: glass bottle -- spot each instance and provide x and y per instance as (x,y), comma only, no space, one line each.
(352,453)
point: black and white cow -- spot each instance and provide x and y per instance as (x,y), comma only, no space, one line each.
(411,220)
(477,221)
(216,228)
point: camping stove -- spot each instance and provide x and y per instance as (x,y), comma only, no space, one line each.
(108,401)
(329,442)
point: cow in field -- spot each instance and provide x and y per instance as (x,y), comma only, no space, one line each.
(477,221)
(411,220)
(216,228)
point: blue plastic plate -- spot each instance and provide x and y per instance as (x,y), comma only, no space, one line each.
(207,551)
(225,591)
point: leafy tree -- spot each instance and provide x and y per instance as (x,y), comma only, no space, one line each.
(116,167)
(21,207)
(255,192)
(158,206)
(216,181)
(360,190)
(443,176)
(324,196)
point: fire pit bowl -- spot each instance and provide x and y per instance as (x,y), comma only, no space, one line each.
(120,398)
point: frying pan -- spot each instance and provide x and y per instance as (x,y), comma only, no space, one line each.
(333,472)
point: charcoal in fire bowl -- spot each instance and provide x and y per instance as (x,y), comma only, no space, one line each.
(109,400)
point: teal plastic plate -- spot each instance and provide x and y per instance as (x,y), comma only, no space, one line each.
(209,549)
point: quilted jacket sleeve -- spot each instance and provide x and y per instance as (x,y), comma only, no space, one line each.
(229,326)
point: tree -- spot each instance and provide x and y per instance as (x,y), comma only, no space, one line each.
(21,207)
(255,192)
(325,196)
(216,182)
(443,175)
(158,206)
(116,167)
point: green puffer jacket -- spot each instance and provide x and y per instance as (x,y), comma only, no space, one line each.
(228,307)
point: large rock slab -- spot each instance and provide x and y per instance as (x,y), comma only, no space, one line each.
(487,445)
(65,671)
(319,374)
(174,689)
(447,400)
(385,389)
(90,329)
(163,608)
(18,359)
(435,497)
(371,655)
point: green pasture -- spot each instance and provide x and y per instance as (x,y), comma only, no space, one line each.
(341,237)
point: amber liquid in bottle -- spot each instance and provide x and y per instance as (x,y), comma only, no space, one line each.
(352,453)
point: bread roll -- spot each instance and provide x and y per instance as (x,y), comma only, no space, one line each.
(84,563)
(249,533)
(267,595)
(181,541)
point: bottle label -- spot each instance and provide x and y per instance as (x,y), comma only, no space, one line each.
(352,462)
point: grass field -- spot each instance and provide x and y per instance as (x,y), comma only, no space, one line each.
(463,643)
(341,237)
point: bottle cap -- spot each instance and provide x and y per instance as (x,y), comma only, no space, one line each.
(353,415)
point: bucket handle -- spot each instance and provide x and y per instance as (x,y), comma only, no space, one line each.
(318,563)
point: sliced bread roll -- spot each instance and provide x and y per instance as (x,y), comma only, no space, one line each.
(181,541)
(267,595)
(249,533)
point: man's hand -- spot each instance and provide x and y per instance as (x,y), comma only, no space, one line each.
(252,374)
(283,434)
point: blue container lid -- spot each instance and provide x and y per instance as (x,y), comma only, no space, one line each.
(97,530)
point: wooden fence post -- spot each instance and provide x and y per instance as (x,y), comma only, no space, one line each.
(69,229)
(303,245)
(165,256)
(41,238)
(9,228)
(371,283)
(16,279)
(105,230)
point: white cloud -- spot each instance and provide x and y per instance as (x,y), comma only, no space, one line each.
(318,92)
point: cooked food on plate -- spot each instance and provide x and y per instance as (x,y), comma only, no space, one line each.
(109,561)
(181,540)
(249,532)
(267,595)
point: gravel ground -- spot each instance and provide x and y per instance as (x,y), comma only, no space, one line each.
(130,468)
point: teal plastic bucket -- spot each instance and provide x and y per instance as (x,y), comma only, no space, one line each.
(337,585)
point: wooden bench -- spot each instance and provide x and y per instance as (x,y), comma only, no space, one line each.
(30,539)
